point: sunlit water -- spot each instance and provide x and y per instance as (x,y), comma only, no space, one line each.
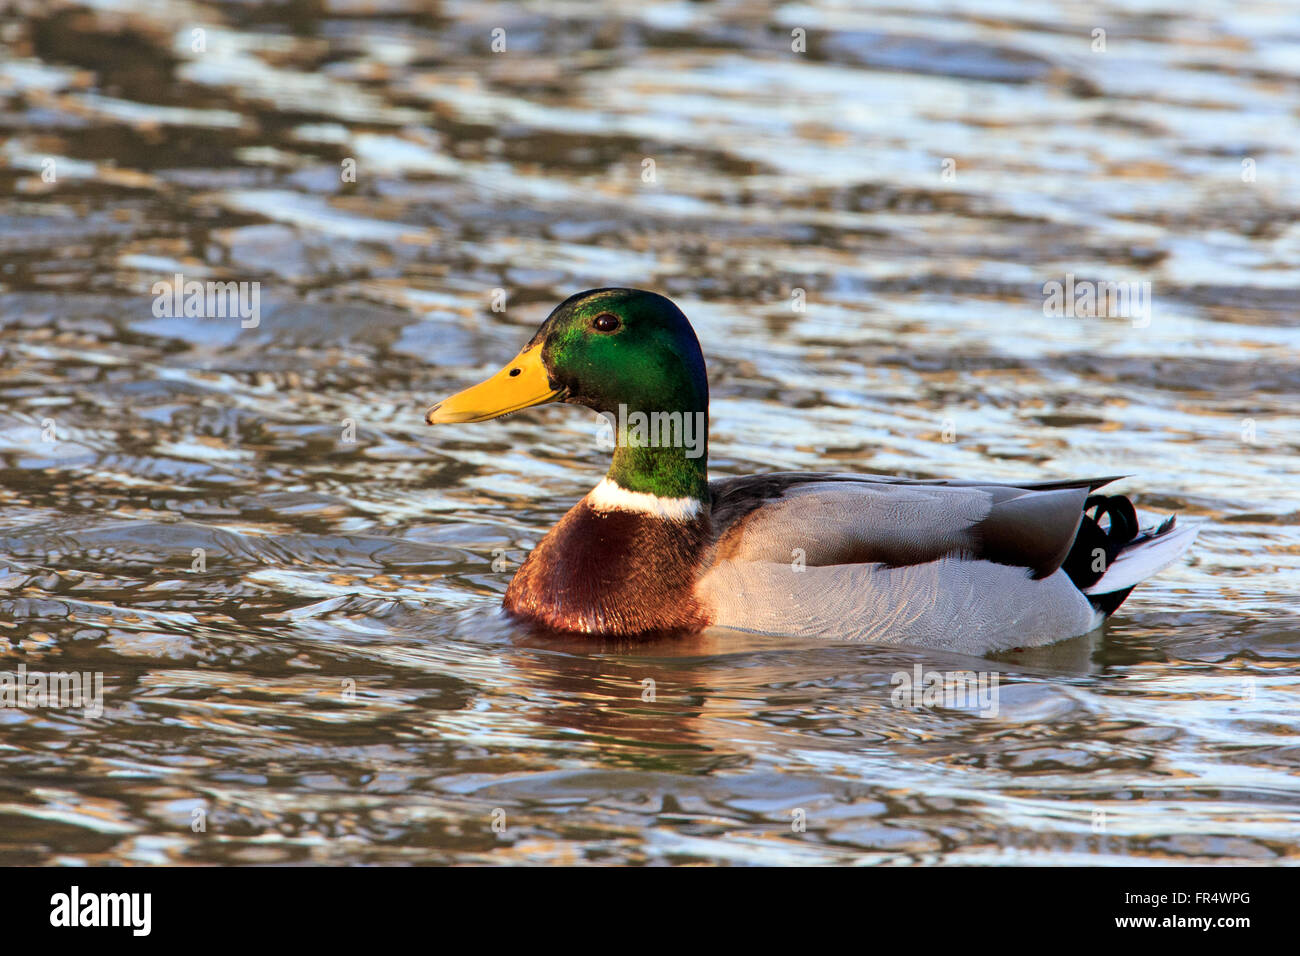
(328,678)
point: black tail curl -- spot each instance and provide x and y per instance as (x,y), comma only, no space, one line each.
(1081,563)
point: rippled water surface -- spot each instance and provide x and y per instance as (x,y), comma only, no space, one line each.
(332,681)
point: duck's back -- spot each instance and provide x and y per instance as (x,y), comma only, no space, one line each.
(973,567)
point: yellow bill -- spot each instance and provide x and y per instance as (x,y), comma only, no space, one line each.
(522,383)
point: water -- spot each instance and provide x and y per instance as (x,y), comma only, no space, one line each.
(332,682)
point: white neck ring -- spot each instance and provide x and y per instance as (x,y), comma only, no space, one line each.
(609,495)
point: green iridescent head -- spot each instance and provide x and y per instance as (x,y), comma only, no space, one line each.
(630,355)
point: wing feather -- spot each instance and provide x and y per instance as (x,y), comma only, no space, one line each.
(828,519)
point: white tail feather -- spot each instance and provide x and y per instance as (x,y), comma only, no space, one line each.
(1140,561)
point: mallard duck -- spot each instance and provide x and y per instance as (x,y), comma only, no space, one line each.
(655,547)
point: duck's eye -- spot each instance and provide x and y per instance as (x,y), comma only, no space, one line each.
(605,322)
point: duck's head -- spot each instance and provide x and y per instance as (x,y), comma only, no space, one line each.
(601,348)
(616,351)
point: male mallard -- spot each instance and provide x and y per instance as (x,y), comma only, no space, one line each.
(973,566)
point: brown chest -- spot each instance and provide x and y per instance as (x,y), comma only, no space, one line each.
(613,573)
